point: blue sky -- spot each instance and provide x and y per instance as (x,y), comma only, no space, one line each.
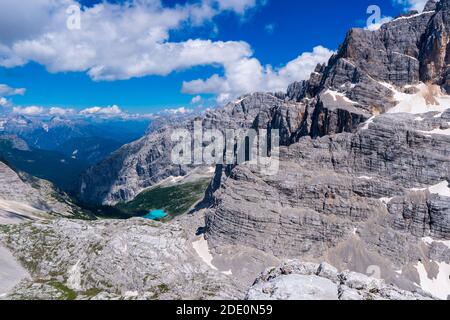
(275,32)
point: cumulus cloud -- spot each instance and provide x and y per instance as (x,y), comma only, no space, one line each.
(119,41)
(6,90)
(116,41)
(248,75)
(55,111)
(181,110)
(196,99)
(28,111)
(105,111)
(412,4)
(5,102)
(239,6)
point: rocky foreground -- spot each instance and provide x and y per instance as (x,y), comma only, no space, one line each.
(145,260)
(133,259)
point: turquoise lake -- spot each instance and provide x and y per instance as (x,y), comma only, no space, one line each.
(155,215)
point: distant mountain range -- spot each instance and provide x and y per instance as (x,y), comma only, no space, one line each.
(59,149)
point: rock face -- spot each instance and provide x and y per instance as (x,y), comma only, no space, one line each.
(23,197)
(308,281)
(325,186)
(356,195)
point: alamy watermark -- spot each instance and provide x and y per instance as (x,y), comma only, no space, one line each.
(73,21)
(259,149)
(375,16)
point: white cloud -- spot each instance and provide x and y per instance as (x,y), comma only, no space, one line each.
(29,111)
(248,75)
(61,111)
(412,4)
(196,99)
(105,111)
(181,110)
(239,6)
(116,41)
(132,39)
(6,90)
(4,102)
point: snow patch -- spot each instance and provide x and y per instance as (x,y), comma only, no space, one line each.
(240,100)
(368,122)
(429,241)
(336,96)
(445,132)
(412,16)
(441,189)
(202,249)
(365,178)
(386,200)
(439,286)
(429,98)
